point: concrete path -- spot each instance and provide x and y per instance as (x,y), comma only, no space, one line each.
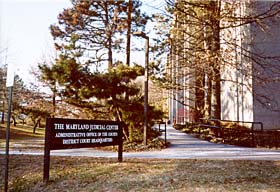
(182,146)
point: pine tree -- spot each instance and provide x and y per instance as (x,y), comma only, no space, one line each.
(92,30)
(87,36)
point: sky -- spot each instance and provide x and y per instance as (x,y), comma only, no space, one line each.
(25,38)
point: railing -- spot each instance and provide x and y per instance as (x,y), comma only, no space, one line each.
(217,126)
(159,123)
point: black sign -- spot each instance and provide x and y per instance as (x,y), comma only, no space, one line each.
(78,133)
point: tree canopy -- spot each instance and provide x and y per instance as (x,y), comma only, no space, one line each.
(93,30)
(86,37)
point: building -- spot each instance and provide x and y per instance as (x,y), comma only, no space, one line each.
(247,84)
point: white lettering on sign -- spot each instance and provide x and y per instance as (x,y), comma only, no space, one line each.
(58,135)
(75,133)
(77,126)
(101,140)
(70,141)
(84,140)
(91,134)
(58,126)
(112,127)
(112,134)
(97,127)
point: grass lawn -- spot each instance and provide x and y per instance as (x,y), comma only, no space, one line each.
(100,174)
(22,132)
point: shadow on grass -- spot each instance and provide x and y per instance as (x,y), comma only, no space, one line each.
(101,174)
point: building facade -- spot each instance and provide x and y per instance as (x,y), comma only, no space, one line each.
(249,64)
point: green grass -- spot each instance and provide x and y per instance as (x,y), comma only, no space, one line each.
(100,174)
(22,132)
(22,137)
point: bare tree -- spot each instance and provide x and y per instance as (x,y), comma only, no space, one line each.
(212,46)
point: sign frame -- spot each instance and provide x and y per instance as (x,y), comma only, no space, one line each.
(62,133)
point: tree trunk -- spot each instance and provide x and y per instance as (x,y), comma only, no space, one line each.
(14,120)
(128,33)
(37,124)
(215,21)
(109,38)
(53,100)
(208,104)
(199,95)
(130,133)
(120,119)
(128,36)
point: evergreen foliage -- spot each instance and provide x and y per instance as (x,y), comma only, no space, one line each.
(94,29)
(86,36)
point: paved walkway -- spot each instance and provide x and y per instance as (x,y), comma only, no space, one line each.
(182,146)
